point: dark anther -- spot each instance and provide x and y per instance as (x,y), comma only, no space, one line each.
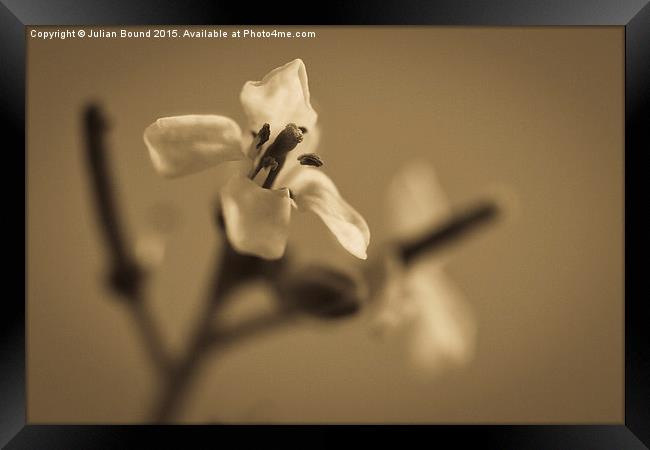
(303,129)
(310,159)
(263,135)
(286,141)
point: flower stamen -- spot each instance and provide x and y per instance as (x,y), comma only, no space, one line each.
(273,173)
(310,159)
(286,141)
(259,139)
(265,162)
(270,161)
(276,153)
(263,135)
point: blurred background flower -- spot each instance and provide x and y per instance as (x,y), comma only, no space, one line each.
(418,297)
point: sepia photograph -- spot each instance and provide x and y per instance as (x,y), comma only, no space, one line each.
(324,224)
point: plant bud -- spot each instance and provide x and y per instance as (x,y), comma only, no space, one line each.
(323,292)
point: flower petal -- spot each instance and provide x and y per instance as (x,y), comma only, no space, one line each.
(445,328)
(282,97)
(181,145)
(416,201)
(389,298)
(313,190)
(257,219)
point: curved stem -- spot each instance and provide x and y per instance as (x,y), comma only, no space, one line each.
(253,328)
(150,336)
(127,278)
(187,372)
(233,269)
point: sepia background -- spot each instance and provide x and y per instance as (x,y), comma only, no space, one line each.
(539,110)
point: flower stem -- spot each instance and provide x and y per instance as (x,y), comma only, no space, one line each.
(454,229)
(126,276)
(95,130)
(178,385)
(233,269)
(150,335)
(273,173)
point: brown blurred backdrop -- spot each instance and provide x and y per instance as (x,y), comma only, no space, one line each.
(537,109)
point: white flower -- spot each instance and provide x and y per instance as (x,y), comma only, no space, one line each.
(419,299)
(257,217)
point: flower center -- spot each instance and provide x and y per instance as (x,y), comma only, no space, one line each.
(275,155)
(286,141)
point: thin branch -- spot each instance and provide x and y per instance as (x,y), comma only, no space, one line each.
(253,328)
(212,340)
(151,336)
(126,276)
(233,269)
(95,131)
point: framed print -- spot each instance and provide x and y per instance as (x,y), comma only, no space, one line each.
(413,214)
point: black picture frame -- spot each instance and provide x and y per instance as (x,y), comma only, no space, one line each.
(633,15)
